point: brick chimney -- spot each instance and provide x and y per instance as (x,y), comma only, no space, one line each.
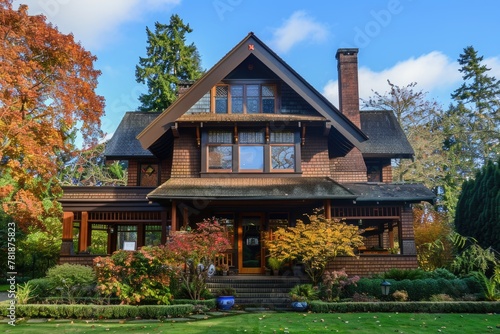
(350,168)
(347,65)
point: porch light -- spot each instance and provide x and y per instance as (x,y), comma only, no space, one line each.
(386,287)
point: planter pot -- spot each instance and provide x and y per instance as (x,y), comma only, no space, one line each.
(225,302)
(276,272)
(299,306)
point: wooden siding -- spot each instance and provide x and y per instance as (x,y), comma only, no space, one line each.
(350,168)
(186,161)
(315,155)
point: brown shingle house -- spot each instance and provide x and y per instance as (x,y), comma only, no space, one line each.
(255,145)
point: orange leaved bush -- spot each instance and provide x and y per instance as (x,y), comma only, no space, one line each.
(47,84)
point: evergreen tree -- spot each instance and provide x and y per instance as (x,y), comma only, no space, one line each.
(471,125)
(478,207)
(169,61)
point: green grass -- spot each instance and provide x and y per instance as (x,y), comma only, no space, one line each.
(282,323)
(4,287)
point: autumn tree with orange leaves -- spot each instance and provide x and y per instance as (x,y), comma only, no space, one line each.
(47,91)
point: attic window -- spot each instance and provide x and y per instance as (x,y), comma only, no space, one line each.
(244,99)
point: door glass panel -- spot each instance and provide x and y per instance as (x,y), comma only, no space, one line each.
(251,243)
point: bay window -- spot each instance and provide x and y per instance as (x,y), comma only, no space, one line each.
(250,151)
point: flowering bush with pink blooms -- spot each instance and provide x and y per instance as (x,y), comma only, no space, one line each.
(334,284)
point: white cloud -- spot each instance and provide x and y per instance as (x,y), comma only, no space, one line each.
(433,72)
(93,22)
(298,28)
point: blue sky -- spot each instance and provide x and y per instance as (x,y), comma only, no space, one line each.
(401,40)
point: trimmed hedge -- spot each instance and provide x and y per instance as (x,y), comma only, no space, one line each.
(419,289)
(406,307)
(208,303)
(99,311)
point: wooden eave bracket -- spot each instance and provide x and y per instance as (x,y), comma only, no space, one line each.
(175,130)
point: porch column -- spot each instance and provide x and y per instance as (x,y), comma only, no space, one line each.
(67,234)
(164,217)
(407,234)
(84,232)
(391,235)
(174,216)
(328,209)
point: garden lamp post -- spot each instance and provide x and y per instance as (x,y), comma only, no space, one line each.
(386,287)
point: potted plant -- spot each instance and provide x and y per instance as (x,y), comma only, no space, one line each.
(301,294)
(275,265)
(225,269)
(225,298)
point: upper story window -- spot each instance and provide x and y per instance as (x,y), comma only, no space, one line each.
(244,98)
(251,151)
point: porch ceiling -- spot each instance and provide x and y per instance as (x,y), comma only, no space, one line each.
(224,188)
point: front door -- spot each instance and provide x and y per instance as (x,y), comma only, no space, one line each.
(250,250)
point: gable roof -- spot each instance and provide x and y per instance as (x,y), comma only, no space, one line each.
(124,144)
(251,45)
(387,139)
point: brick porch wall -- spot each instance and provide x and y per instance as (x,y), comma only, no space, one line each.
(84,260)
(367,265)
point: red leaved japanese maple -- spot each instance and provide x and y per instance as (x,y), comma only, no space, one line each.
(47,84)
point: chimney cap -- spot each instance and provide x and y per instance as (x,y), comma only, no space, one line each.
(347,52)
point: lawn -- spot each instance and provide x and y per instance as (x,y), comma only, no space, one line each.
(282,323)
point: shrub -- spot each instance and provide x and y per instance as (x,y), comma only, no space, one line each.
(43,287)
(135,276)
(314,244)
(441,273)
(194,251)
(72,280)
(421,289)
(363,297)
(416,307)
(99,311)
(334,284)
(400,295)
(442,297)
(303,292)
(401,274)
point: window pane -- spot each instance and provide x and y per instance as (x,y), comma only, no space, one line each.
(252,105)
(221,105)
(237,105)
(283,157)
(252,90)
(268,105)
(251,158)
(221,99)
(252,137)
(220,157)
(237,90)
(220,137)
(282,137)
(268,91)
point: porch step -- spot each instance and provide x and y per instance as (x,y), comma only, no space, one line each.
(258,291)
